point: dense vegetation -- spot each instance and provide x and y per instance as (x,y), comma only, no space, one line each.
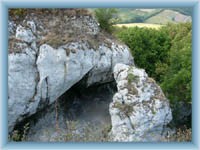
(149,48)
(177,80)
(166,56)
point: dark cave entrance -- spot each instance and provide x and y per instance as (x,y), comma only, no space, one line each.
(80,114)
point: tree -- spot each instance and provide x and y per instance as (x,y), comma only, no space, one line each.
(178,79)
(106,18)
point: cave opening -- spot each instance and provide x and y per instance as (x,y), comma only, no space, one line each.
(80,114)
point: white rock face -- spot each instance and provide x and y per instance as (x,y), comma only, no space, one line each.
(40,73)
(37,76)
(24,34)
(139,111)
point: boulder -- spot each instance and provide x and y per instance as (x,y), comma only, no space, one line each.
(139,111)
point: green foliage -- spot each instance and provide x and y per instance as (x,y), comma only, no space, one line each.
(106,18)
(177,81)
(165,54)
(148,46)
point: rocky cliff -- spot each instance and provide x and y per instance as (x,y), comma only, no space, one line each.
(51,50)
(50,53)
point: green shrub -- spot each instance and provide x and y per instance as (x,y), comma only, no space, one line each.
(165,54)
(106,18)
(148,46)
(177,82)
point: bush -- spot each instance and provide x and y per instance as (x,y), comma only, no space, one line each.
(149,47)
(177,81)
(165,54)
(106,18)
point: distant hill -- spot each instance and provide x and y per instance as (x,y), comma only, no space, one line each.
(157,16)
(153,16)
(167,16)
(184,11)
(130,15)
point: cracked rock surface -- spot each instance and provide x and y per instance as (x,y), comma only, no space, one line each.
(40,72)
(139,111)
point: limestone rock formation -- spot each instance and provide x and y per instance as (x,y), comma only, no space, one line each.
(48,54)
(139,111)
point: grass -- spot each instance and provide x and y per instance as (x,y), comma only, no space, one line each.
(140,25)
(182,134)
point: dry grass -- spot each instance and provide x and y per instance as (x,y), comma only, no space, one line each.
(20,13)
(18,136)
(140,25)
(183,134)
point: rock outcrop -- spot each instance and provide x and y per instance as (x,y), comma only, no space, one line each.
(139,111)
(52,50)
(48,54)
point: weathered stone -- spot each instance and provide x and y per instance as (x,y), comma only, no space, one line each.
(47,57)
(24,34)
(39,74)
(141,116)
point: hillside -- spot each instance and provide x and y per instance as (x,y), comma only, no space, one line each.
(168,16)
(153,16)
